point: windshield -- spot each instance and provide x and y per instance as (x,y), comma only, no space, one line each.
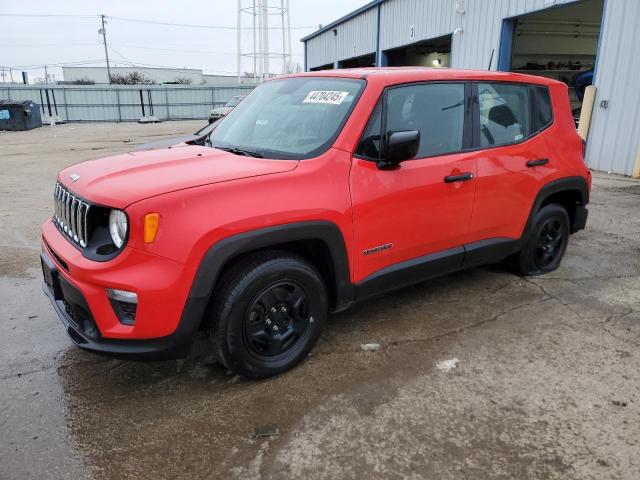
(291,118)
(233,101)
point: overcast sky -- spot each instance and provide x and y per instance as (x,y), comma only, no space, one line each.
(34,41)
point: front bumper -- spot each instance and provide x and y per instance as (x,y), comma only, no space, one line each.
(76,288)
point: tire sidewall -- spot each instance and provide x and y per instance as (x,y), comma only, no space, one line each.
(233,347)
(527,262)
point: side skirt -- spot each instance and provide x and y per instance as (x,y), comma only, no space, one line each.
(435,265)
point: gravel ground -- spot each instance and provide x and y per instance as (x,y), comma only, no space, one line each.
(479,375)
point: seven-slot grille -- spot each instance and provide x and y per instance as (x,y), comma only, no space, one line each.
(71,215)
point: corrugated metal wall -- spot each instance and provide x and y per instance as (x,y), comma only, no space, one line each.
(91,103)
(399,19)
(614,136)
(403,22)
(354,38)
(481,26)
(614,142)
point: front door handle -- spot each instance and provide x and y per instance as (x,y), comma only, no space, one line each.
(462,177)
(537,163)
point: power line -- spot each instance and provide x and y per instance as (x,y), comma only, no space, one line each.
(46,15)
(191,25)
(205,52)
(65,44)
(56,64)
(150,22)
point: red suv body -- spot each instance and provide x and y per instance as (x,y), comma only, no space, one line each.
(318,190)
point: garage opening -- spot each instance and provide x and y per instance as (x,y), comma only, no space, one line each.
(559,43)
(328,66)
(368,60)
(435,52)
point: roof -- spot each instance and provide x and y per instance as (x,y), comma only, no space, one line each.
(392,75)
(348,16)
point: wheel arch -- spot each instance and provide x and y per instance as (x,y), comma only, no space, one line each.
(570,192)
(319,242)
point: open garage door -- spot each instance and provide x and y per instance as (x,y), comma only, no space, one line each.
(435,52)
(328,66)
(359,62)
(559,43)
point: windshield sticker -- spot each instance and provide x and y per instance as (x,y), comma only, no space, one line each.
(332,97)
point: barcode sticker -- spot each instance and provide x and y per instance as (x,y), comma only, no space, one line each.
(332,97)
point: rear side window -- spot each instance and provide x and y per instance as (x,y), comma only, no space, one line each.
(541,107)
(505,115)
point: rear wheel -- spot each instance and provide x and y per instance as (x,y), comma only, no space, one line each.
(547,242)
(269,310)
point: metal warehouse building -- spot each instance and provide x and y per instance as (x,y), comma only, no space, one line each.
(561,39)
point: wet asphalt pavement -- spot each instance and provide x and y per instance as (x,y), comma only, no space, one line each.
(546,384)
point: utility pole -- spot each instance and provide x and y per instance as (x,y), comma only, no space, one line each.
(46,75)
(103,31)
(239,39)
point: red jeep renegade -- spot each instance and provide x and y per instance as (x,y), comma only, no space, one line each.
(319,190)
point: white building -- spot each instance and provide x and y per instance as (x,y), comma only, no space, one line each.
(158,75)
(553,38)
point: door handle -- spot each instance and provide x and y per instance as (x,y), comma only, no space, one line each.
(462,177)
(537,163)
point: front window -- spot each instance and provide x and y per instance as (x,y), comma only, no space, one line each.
(291,118)
(436,110)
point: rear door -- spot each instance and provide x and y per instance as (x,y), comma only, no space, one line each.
(423,206)
(513,158)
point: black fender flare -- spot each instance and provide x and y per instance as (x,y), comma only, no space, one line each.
(230,247)
(578,184)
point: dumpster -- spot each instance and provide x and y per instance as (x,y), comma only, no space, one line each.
(19,115)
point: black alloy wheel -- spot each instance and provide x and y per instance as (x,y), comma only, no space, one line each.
(277,320)
(546,243)
(268,311)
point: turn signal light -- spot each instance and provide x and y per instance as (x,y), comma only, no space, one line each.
(151,224)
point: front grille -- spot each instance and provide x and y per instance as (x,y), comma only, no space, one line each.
(71,215)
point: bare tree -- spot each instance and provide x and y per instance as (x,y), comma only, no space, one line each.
(82,81)
(292,67)
(133,78)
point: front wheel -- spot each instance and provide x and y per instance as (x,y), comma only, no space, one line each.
(269,310)
(547,242)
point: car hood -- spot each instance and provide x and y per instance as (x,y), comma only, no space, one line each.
(121,180)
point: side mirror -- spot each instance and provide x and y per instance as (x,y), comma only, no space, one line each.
(400,146)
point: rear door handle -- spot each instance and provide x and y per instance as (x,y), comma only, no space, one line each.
(537,163)
(463,177)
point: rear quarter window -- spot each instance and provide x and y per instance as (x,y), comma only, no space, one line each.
(542,111)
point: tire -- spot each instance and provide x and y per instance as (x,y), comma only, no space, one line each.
(211,120)
(268,312)
(546,244)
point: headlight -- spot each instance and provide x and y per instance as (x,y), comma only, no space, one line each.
(118,227)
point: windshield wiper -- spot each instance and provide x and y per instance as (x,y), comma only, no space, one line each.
(240,151)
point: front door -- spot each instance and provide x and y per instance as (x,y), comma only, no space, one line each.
(424,205)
